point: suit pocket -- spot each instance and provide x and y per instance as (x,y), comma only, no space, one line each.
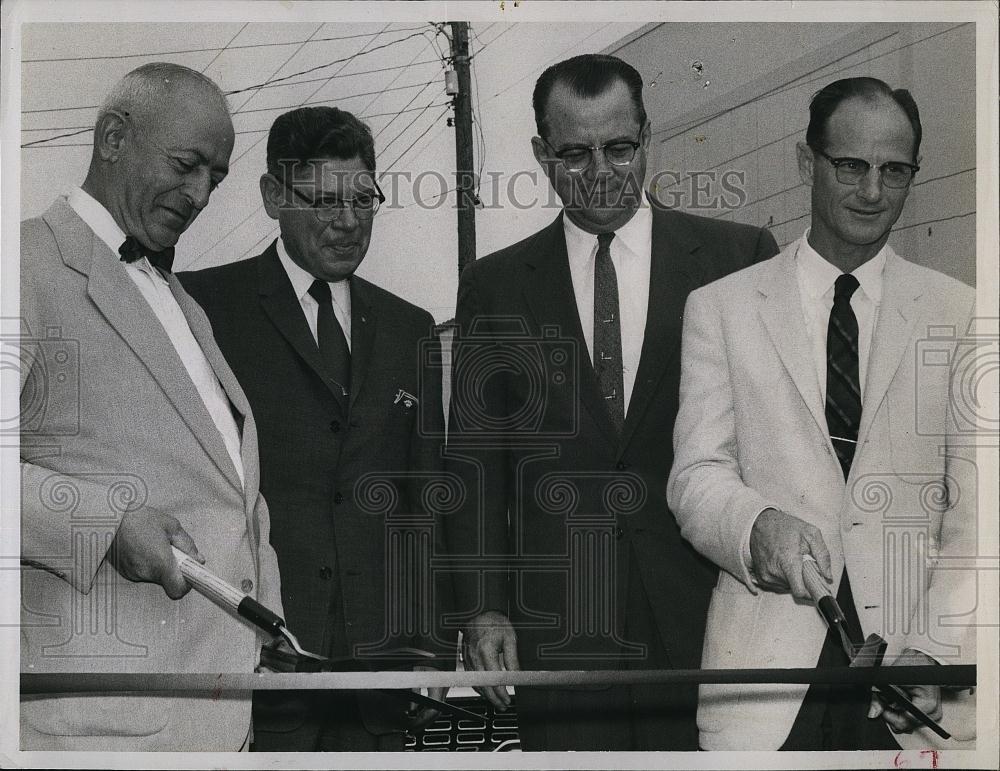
(97,715)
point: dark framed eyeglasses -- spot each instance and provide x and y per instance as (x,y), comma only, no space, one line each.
(364,205)
(578,158)
(851,171)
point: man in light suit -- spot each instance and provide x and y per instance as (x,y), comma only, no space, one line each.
(345,382)
(563,459)
(135,436)
(809,426)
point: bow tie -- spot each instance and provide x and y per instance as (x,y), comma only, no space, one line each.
(133,250)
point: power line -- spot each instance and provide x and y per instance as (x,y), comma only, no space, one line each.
(205,50)
(422,135)
(272,85)
(328,64)
(225,47)
(407,128)
(336,98)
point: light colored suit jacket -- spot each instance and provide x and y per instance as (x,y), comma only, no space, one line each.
(751,433)
(111,422)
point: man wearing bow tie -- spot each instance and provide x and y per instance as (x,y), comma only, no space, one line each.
(135,436)
(344,379)
(564,394)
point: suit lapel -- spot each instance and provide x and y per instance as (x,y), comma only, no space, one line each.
(896,319)
(363,323)
(202,331)
(548,291)
(277,298)
(129,315)
(781,311)
(670,280)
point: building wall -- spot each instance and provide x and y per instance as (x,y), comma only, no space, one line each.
(744,138)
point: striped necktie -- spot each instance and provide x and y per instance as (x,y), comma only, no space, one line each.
(843,388)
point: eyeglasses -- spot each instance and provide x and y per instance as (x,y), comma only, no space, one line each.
(364,205)
(576,159)
(850,171)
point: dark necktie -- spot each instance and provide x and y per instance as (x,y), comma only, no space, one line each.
(332,342)
(133,250)
(608,333)
(843,387)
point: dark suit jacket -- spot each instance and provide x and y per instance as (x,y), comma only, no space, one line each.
(345,478)
(529,435)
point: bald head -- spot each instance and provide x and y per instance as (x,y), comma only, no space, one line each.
(141,92)
(161,146)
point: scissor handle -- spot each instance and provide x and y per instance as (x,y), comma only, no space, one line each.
(816,585)
(227,595)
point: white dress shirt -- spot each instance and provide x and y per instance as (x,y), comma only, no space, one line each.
(817,277)
(630,254)
(301,281)
(156,290)
(816,287)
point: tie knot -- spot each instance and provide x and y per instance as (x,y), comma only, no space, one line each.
(604,241)
(844,287)
(320,291)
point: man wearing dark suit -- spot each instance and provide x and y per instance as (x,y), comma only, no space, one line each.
(135,437)
(563,401)
(350,423)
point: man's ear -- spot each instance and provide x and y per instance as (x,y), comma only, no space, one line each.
(110,136)
(646,135)
(806,159)
(273,195)
(540,151)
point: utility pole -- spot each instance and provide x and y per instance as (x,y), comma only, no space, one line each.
(464,164)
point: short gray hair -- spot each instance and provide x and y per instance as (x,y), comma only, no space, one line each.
(141,89)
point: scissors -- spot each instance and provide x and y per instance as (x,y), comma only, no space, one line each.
(231,598)
(867,653)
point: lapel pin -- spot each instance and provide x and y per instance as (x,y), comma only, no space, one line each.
(406,398)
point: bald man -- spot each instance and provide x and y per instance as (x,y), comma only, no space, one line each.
(135,436)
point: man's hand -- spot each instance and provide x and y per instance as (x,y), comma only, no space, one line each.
(421,715)
(927,698)
(778,542)
(489,644)
(141,550)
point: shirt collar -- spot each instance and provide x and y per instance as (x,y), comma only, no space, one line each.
(302,279)
(97,218)
(819,275)
(633,234)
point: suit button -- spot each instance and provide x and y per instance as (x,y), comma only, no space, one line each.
(621,465)
(335,426)
(246,585)
(325,573)
(338,499)
(619,533)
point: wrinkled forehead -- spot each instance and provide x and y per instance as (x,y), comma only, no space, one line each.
(336,176)
(190,117)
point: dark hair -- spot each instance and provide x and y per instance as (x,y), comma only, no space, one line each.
(826,100)
(587,75)
(311,133)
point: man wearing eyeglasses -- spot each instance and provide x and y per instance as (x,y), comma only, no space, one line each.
(583,566)
(334,371)
(811,428)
